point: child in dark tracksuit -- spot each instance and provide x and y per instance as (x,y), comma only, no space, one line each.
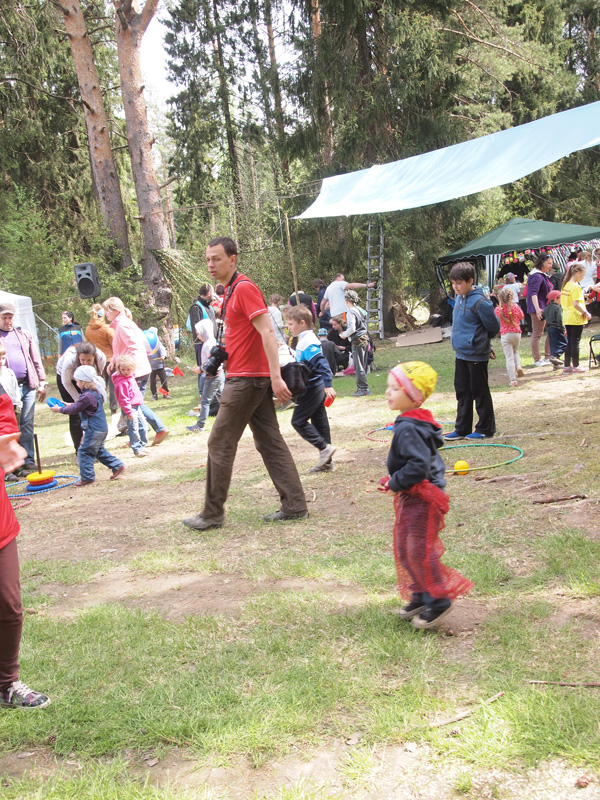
(95,428)
(555,328)
(416,477)
(310,415)
(474,324)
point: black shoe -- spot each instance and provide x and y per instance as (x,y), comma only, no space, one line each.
(412,609)
(26,469)
(431,616)
(280,516)
(10,477)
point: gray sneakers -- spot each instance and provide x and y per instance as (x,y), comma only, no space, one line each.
(200,523)
(325,455)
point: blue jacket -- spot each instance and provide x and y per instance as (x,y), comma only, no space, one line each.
(474,325)
(309,351)
(413,455)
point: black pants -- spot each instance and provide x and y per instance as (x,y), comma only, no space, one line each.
(572,349)
(309,406)
(74,420)
(162,375)
(471,386)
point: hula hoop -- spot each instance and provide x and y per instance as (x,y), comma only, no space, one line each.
(27,502)
(44,489)
(488,466)
(390,427)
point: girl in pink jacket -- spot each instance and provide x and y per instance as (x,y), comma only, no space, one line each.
(130,402)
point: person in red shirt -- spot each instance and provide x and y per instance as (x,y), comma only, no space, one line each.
(13,692)
(253,377)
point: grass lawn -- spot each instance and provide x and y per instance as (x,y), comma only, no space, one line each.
(269,662)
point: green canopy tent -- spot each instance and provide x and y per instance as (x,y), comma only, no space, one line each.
(523,234)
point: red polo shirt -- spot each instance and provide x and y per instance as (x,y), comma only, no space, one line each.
(246,355)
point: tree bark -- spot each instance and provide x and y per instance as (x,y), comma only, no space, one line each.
(276,86)
(104,173)
(212,22)
(131,25)
(315,12)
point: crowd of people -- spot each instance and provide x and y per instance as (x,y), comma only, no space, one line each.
(552,301)
(244,354)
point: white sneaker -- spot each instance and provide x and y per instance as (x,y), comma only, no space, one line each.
(140,453)
(325,455)
(542,363)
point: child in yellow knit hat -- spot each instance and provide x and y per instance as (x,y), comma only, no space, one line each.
(416,478)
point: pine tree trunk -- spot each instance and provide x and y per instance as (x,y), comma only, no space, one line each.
(213,25)
(130,28)
(104,173)
(315,11)
(285,166)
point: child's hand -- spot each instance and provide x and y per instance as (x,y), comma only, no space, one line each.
(383,484)
(55,409)
(197,370)
(330,392)
(129,416)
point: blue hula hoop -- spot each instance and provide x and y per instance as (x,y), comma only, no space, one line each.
(43,489)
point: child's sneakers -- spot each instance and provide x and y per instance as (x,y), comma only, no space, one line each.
(452,437)
(325,455)
(141,453)
(431,616)
(415,606)
(19,695)
(328,467)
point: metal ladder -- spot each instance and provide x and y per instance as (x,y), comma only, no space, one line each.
(375,295)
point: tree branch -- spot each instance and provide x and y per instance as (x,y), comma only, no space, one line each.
(101,28)
(496,46)
(148,12)
(69,100)
(487,72)
(64,10)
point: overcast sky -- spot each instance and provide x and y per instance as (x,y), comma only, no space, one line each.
(154,64)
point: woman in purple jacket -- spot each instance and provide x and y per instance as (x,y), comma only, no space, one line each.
(538,286)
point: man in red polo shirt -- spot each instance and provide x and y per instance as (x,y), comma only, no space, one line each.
(253,377)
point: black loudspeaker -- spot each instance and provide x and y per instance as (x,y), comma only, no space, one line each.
(88,281)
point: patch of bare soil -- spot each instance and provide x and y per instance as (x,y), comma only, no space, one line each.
(178,595)
(341,769)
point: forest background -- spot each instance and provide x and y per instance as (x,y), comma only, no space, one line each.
(268,98)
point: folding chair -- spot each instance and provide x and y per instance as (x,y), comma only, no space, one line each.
(595,357)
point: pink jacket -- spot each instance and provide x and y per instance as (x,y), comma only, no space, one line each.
(35,368)
(127,391)
(130,340)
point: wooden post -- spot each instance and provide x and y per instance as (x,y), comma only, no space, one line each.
(294,276)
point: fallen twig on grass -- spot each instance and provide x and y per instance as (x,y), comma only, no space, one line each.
(464,714)
(579,504)
(559,499)
(530,487)
(503,478)
(592,685)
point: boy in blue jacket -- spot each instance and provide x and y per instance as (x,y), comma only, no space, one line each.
(310,415)
(474,324)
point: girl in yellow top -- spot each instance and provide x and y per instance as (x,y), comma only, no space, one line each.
(574,315)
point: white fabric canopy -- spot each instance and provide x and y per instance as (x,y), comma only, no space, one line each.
(461,169)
